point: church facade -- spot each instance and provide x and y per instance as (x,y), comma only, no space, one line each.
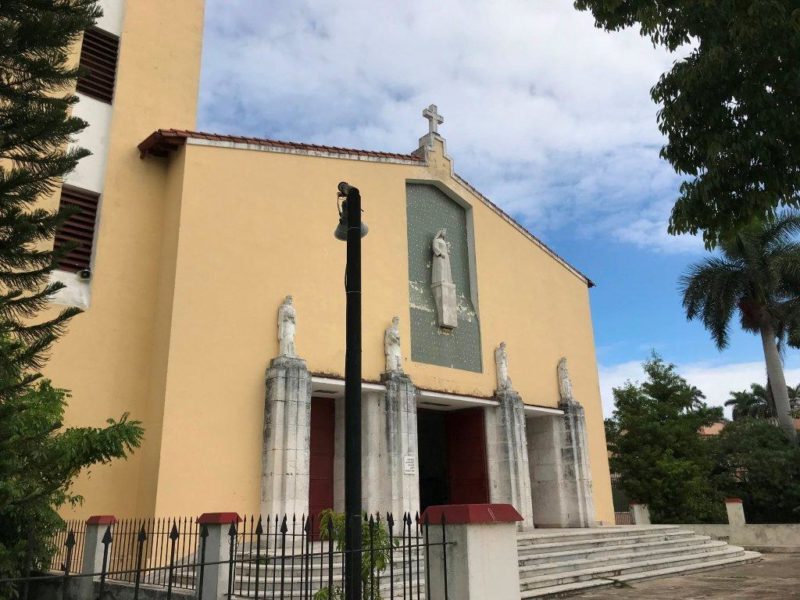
(215,314)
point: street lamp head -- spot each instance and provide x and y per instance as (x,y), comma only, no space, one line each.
(341,229)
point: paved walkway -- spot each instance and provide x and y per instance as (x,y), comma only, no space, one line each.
(776,577)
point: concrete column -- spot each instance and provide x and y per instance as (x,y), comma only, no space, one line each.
(641,513)
(286,452)
(507,455)
(217,554)
(481,549)
(559,465)
(399,432)
(96,527)
(389,448)
(735,510)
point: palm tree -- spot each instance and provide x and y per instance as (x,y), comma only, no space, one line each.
(756,403)
(757,273)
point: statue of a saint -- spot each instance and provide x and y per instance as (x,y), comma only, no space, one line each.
(287,319)
(441,259)
(444,290)
(391,346)
(564,383)
(501,362)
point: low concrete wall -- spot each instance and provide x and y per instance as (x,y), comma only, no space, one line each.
(52,590)
(762,538)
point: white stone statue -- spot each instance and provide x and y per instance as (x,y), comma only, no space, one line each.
(391,346)
(501,362)
(444,290)
(287,320)
(564,382)
(441,259)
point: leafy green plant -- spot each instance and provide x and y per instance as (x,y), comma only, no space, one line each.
(727,106)
(375,554)
(655,448)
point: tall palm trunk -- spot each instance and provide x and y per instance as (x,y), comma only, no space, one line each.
(777,381)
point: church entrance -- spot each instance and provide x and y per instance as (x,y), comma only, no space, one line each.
(320,488)
(452,457)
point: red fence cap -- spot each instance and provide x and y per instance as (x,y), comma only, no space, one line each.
(101,520)
(460,514)
(219,518)
(733,501)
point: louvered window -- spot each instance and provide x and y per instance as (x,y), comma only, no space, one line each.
(78,229)
(99,62)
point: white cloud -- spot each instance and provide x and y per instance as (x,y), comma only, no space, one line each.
(547,115)
(716,381)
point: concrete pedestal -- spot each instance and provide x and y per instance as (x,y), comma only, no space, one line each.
(561,482)
(641,513)
(287,431)
(217,554)
(93,550)
(735,509)
(481,549)
(507,455)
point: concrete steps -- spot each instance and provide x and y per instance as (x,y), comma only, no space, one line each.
(561,562)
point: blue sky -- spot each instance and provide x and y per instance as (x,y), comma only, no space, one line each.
(546,115)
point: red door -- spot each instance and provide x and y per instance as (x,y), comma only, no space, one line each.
(320,490)
(468,476)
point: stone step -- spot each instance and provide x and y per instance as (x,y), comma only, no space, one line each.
(568,589)
(249,569)
(543,536)
(582,544)
(617,570)
(651,554)
(297,588)
(610,550)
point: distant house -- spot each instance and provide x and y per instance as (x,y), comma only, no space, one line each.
(716,428)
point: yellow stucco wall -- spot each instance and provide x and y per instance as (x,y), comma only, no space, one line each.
(105,359)
(194,254)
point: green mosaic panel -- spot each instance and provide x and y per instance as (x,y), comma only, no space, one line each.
(428,210)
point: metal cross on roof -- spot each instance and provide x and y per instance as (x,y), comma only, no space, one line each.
(434,118)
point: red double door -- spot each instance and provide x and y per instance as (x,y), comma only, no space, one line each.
(467,472)
(320,493)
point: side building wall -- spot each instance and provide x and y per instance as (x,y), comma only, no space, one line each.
(105,358)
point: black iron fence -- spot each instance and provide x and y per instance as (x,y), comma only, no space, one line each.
(68,544)
(270,558)
(167,548)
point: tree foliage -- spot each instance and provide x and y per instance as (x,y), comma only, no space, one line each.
(757,403)
(39,457)
(728,106)
(655,448)
(373,563)
(756,463)
(757,276)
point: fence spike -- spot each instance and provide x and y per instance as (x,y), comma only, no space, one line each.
(259,527)
(70,540)
(107,537)
(173,534)
(142,534)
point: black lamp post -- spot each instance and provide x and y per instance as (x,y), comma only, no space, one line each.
(351,230)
